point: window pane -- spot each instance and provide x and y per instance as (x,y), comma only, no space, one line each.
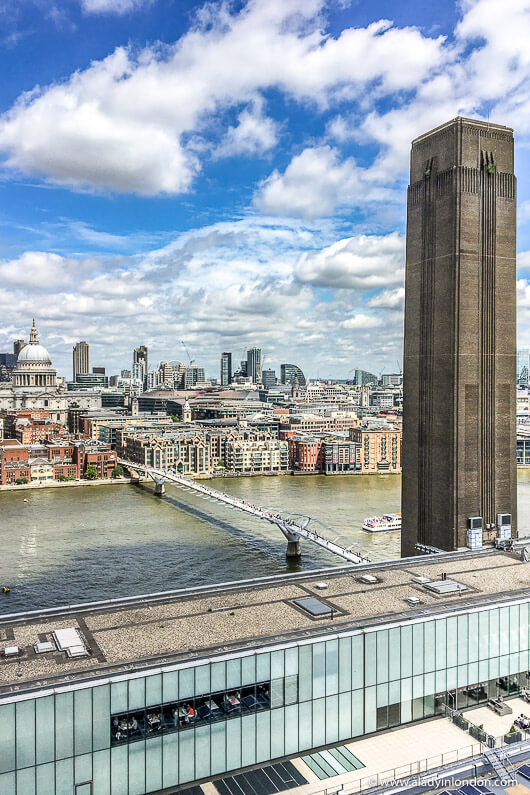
(136,768)
(382,656)
(332,667)
(248,739)
(218,745)
(45,779)
(319,722)
(357,661)
(83,768)
(25,781)
(277,664)
(170,686)
(83,721)
(429,646)
(118,769)
(100,717)
(263,667)
(186,755)
(25,717)
(332,719)
(344,664)
(344,716)
(291,729)
(170,767)
(118,697)
(248,670)
(263,736)
(370,710)
(291,661)
(233,673)
(7,784)
(370,658)
(202,751)
(64,777)
(357,713)
(319,670)
(218,675)
(394,653)
(417,649)
(406,651)
(462,639)
(102,773)
(64,725)
(305,733)
(233,744)
(153,690)
(186,683)
(306,673)
(452,641)
(7,737)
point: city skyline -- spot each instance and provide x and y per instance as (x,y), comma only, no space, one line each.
(270,212)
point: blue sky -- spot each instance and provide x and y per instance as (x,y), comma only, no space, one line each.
(234,174)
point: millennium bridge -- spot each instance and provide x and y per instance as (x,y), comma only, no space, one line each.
(294,526)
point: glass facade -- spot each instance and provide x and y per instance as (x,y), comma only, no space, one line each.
(144,732)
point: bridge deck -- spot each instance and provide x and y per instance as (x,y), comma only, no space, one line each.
(290,527)
(160,629)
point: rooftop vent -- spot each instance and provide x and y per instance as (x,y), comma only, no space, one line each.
(414,600)
(421,580)
(315,607)
(11,651)
(445,586)
(369,578)
(321,586)
(42,648)
(70,641)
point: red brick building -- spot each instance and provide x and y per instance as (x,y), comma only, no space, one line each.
(30,426)
(97,454)
(53,460)
(305,454)
(14,462)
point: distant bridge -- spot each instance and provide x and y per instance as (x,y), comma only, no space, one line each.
(294,526)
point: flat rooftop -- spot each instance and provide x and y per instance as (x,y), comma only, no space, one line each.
(174,627)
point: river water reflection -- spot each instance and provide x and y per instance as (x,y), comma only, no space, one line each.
(89,543)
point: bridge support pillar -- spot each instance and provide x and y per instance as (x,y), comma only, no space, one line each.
(160,489)
(293,549)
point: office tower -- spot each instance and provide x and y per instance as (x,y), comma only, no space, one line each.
(243,368)
(362,377)
(288,372)
(193,375)
(523,365)
(17,347)
(254,364)
(98,370)
(459,455)
(140,355)
(226,368)
(80,359)
(268,378)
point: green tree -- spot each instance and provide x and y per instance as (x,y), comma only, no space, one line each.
(91,472)
(21,481)
(117,472)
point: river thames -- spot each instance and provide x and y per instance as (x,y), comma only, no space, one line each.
(69,545)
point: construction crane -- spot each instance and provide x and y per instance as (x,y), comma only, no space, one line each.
(187,352)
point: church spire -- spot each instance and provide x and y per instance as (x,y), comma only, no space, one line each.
(33,337)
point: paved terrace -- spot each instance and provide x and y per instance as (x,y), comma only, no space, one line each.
(158,629)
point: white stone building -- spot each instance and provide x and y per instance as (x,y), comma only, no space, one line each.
(34,385)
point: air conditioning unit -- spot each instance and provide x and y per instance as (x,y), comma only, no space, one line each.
(475,523)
